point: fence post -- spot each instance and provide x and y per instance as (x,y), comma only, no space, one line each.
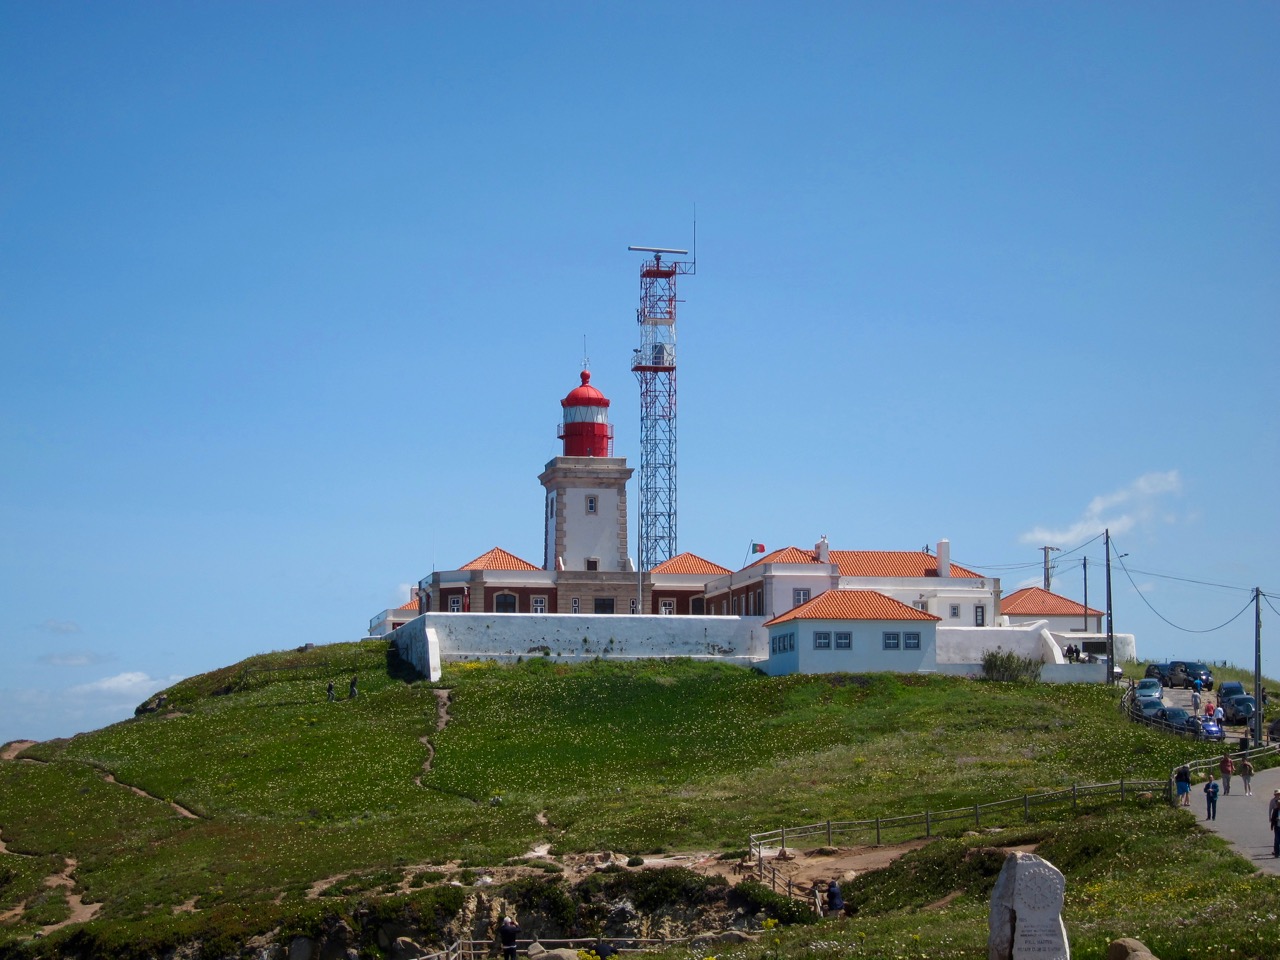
(828,833)
(790,892)
(927,825)
(1122,789)
(1026,807)
(1075,800)
(784,839)
(977,817)
(877,831)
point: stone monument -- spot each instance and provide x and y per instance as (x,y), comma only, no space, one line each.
(1026,911)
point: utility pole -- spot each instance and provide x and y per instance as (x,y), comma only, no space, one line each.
(1257,666)
(1047,551)
(1111,635)
(1086,593)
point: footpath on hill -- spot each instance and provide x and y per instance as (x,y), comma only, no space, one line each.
(1242,821)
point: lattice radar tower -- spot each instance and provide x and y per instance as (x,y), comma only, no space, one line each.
(654,365)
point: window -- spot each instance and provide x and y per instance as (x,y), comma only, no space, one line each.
(791,641)
(455,604)
(760,603)
(798,596)
(633,606)
(604,604)
(735,606)
(591,504)
(573,605)
(667,608)
(697,606)
(539,604)
(844,641)
(980,615)
(504,603)
(911,641)
(955,611)
(593,564)
(892,641)
(821,640)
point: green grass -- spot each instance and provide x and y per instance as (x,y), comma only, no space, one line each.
(632,757)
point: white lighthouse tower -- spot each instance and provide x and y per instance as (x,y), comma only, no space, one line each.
(585,538)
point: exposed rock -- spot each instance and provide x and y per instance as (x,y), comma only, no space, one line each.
(1129,949)
(560,953)
(302,948)
(337,942)
(536,949)
(405,949)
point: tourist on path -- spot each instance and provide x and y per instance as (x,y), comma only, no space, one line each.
(1219,715)
(1273,814)
(352,692)
(507,933)
(1195,701)
(835,899)
(1182,780)
(331,697)
(1246,774)
(1226,767)
(1197,688)
(1211,799)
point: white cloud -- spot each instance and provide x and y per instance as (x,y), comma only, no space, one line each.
(59,626)
(132,684)
(1122,510)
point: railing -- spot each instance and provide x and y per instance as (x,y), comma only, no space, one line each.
(917,825)
(1270,751)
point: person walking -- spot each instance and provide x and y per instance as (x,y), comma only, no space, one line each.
(507,933)
(331,691)
(1195,701)
(1219,715)
(1273,814)
(1245,769)
(1182,780)
(1211,799)
(351,694)
(1226,767)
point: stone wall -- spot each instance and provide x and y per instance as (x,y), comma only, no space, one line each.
(434,637)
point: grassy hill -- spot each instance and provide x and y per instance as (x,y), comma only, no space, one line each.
(287,791)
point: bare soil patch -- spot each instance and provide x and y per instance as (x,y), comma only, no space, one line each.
(15,747)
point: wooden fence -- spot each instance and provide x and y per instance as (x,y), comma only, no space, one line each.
(482,949)
(915,826)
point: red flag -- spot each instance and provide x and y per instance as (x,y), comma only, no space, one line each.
(757,547)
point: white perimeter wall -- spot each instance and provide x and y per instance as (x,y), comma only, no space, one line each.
(434,637)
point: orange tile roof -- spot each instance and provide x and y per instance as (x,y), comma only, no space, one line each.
(1038,602)
(690,563)
(786,555)
(499,559)
(870,563)
(852,605)
(892,563)
(411,605)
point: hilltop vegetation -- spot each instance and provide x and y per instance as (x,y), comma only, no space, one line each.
(287,791)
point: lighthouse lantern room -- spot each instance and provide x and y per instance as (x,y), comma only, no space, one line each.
(585,429)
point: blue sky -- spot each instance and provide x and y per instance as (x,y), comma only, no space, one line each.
(290,294)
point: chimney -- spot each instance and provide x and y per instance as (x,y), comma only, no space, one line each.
(820,549)
(944,558)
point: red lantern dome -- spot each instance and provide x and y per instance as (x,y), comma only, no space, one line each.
(586,430)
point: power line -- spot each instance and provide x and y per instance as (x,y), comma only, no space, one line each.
(1120,560)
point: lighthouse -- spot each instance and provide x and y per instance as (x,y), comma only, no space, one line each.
(586,430)
(585,539)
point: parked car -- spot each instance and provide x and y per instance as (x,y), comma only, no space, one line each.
(1229,689)
(1145,709)
(1239,709)
(1148,688)
(1158,671)
(1176,718)
(1184,673)
(1208,729)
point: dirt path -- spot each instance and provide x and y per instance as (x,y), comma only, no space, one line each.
(442,720)
(15,747)
(181,810)
(81,912)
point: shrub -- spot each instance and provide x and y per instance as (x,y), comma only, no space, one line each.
(1009,667)
(755,896)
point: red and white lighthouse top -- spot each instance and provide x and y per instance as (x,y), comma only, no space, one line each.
(586,430)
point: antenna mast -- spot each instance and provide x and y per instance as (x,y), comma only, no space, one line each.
(654,365)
